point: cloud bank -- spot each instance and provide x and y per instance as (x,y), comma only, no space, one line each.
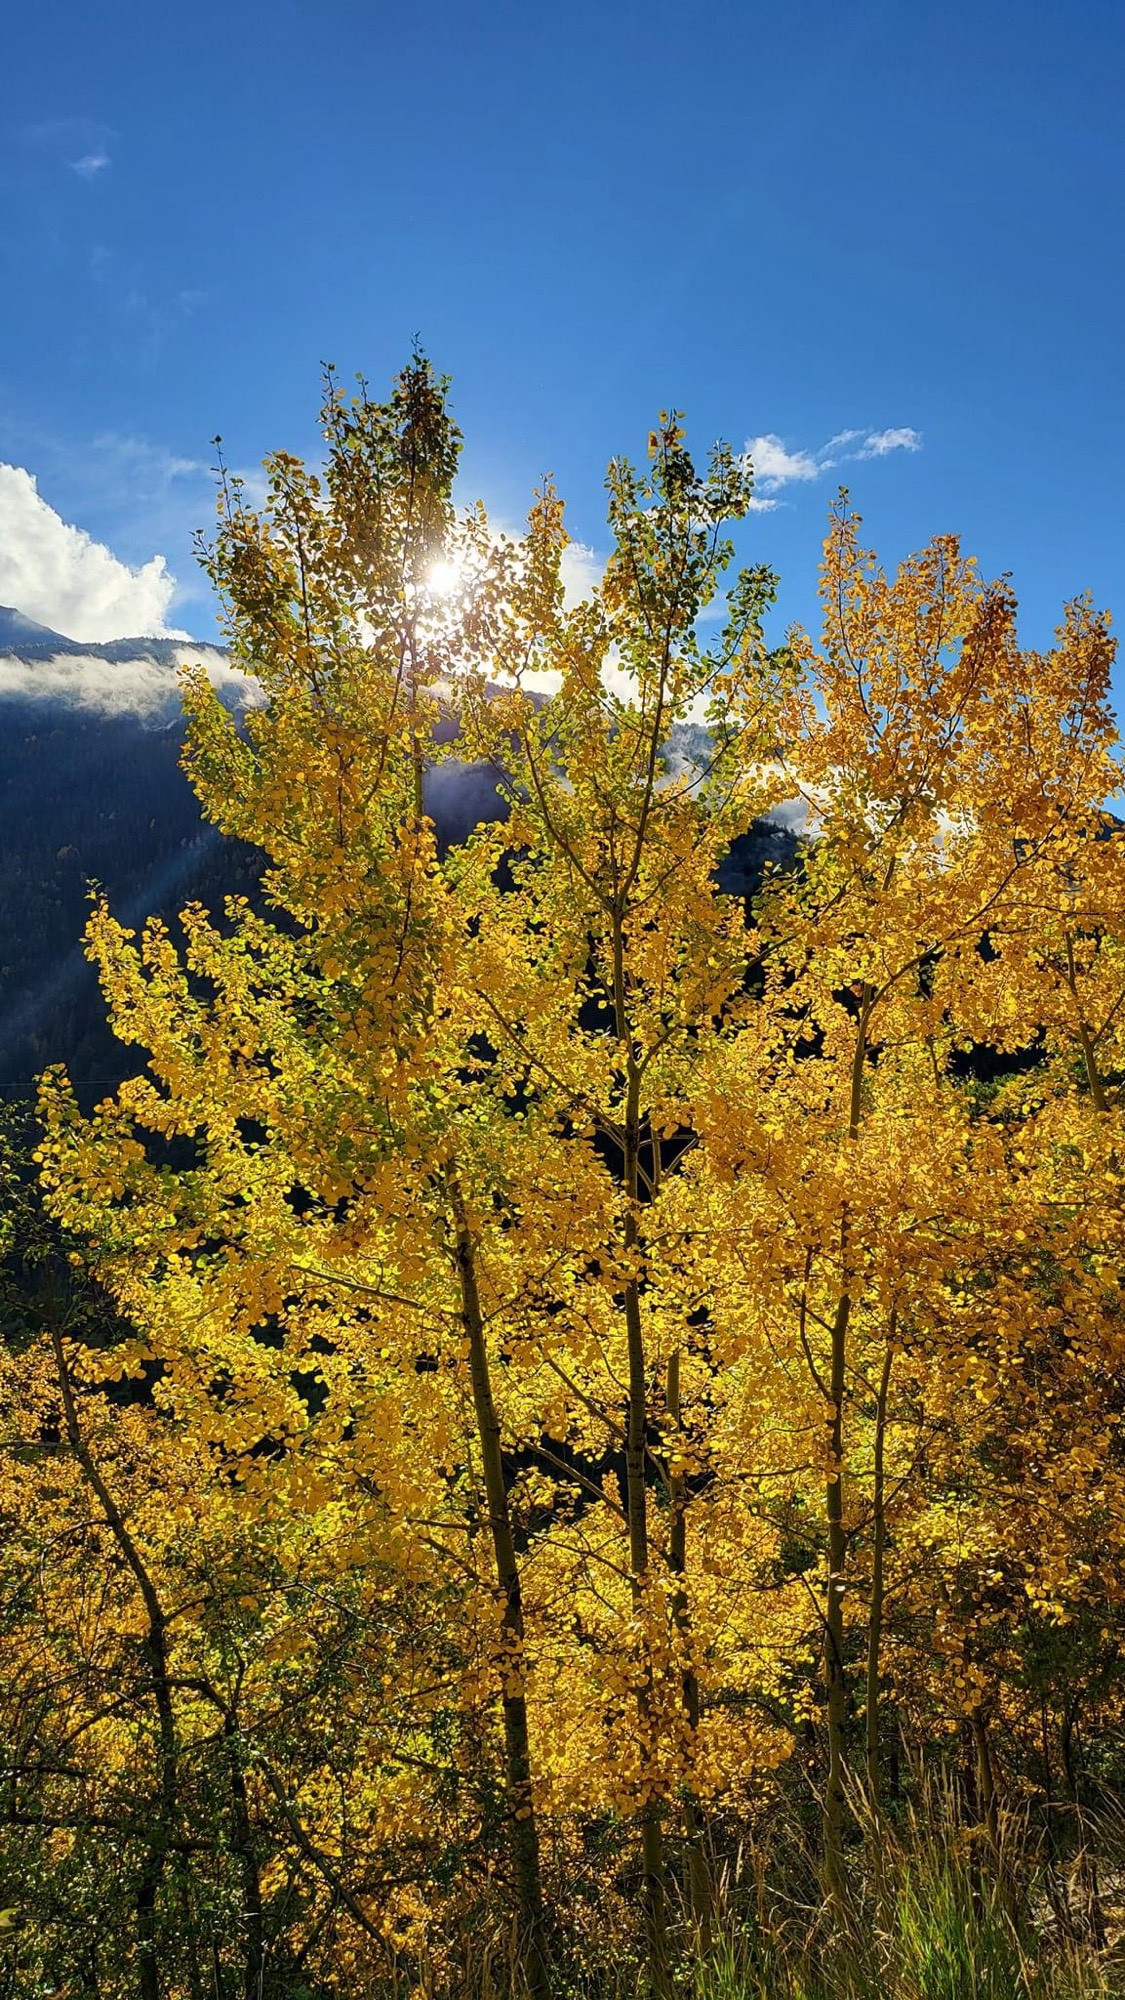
(775,466)
(61,577)
(146,689)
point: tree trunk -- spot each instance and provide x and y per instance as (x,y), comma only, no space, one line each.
(835,1676)
(699,1881)
(1092,1915)
(254,1950)
(986,1783)
(836,1689)
(1085,1040)
(1056,1897)
(154,1650)
(878,1581)
(513,1664)
(652,1833)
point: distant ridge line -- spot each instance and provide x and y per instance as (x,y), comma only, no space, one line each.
(25,639)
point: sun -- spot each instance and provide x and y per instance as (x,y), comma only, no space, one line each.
(445,578)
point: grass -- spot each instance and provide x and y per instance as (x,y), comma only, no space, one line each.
(935,1914)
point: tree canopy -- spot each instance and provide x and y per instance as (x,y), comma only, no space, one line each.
(545,1373)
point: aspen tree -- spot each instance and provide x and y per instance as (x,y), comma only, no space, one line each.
(935,801)
(306,1060)
(640,1336)
(598,966)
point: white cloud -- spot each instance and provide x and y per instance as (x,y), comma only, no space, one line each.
(878,443)
(775,465)
(61,577)
(90,165)
(146,688)
(580,569)
(82,144)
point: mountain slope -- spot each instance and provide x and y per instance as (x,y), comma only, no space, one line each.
(91,791)
(17,631)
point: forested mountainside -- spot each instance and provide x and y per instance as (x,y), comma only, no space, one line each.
(91,791)
(89,799)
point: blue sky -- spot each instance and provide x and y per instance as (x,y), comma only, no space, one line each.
(793,220)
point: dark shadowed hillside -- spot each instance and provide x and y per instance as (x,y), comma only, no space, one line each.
(91,791)
(89,799)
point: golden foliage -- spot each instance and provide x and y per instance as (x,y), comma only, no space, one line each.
(601,1352)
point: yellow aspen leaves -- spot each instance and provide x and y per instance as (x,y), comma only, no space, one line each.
(607,1347)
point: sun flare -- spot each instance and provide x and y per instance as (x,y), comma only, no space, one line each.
(445,578)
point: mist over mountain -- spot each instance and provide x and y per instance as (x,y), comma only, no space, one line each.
(91,791)
(117,677)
